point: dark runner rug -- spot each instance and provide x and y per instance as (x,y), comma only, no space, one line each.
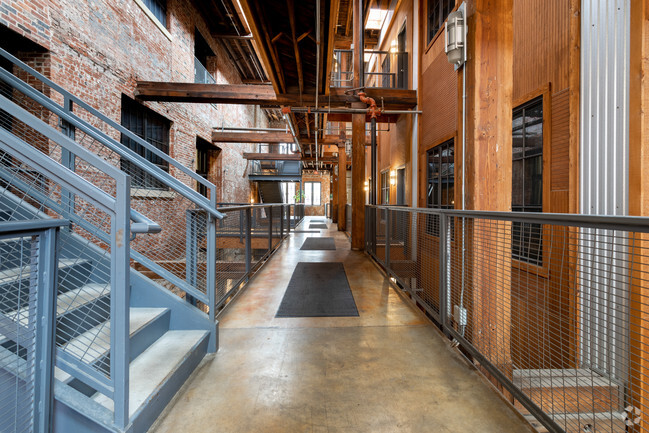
(318,244)
(318,290)
(318,226)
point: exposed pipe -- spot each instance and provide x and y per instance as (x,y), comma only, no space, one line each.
(348,110)
(235,128)
(373,164)
(317,72)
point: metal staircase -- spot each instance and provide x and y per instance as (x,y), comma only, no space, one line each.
(124,343)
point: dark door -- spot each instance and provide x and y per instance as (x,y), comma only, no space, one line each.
(402,59)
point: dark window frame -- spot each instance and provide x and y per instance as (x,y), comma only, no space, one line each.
(444,174)
(437,13)
(158,9)
(152,128)
(527,238)
(385,187)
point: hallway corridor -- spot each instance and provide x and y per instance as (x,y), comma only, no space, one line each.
(388,370)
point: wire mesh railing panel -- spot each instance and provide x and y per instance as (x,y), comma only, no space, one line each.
(84,273)
(231,235)
(155,177)
(19,265)
(553,307)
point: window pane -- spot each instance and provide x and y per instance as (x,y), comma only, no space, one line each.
(517,183)
(308,193)
(316,193)
(534,181)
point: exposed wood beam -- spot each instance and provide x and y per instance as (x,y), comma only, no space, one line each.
(258,46)
(245,58)
(304,35)
(264,95)
(343,117)
(333,22)
(272,156)
(239,37)
(271,47)
(296,49)
(226,46)
(251,137)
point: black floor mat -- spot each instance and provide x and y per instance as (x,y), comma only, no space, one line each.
(318,244)
(318,290)
(305,231)
(318,226)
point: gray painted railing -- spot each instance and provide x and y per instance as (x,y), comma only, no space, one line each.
(36,186)
(552,306)
(97,133)
(27,396)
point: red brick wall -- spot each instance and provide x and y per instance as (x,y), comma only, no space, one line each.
(98,50)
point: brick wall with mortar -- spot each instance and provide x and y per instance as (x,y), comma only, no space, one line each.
(325,181)
(99,49)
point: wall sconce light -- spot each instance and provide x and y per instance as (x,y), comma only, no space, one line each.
(393,46)
(393,177)
(252,200)
(455,37)
(366,186)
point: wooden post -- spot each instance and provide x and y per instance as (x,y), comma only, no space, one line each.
(488,170)
(638,205)
(334,198)
(358,139)
(342,187)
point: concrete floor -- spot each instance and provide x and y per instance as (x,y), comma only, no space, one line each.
(388,370)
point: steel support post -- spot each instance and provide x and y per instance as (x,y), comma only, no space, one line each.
(248,242)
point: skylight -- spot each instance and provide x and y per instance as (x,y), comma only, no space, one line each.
(375,19)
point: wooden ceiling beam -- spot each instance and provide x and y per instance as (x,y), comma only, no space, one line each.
(262,54)
(272,156)
(296,49)
(264,95)
(251,137)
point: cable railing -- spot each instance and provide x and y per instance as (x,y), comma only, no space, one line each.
(28,280)
(93,282)
(165,256)
(554,307)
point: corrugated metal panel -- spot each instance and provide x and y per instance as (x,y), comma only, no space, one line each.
(604,180)
(604,168)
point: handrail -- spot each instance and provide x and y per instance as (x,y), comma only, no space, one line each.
(107,141)
(639,224)
(142,223)
(8,228)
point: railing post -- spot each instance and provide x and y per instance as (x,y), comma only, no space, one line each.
(270,228)
(388,234)
(443,301)
(120,301)
(211,288)
(191,247)
(281,221)
(45,329)
(248,242)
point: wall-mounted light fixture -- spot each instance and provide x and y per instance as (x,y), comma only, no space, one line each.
(366,186)
(393,177)
(455,37)
(393,46)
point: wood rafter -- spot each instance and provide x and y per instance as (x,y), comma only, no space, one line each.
(296,49)
(265,96)
(251,137)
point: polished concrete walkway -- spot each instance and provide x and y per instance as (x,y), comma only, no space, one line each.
(388,370)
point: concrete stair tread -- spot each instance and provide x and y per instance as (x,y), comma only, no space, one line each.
(155,365)
(67,301)
(93,344)
(22,272)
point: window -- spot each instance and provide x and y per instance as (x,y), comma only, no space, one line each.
(288,192)
(385,187)
(312,193)
(440,190)
(202,52)
(438,10)
(385,72)
(153,128)
(159,10)
(527,179)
